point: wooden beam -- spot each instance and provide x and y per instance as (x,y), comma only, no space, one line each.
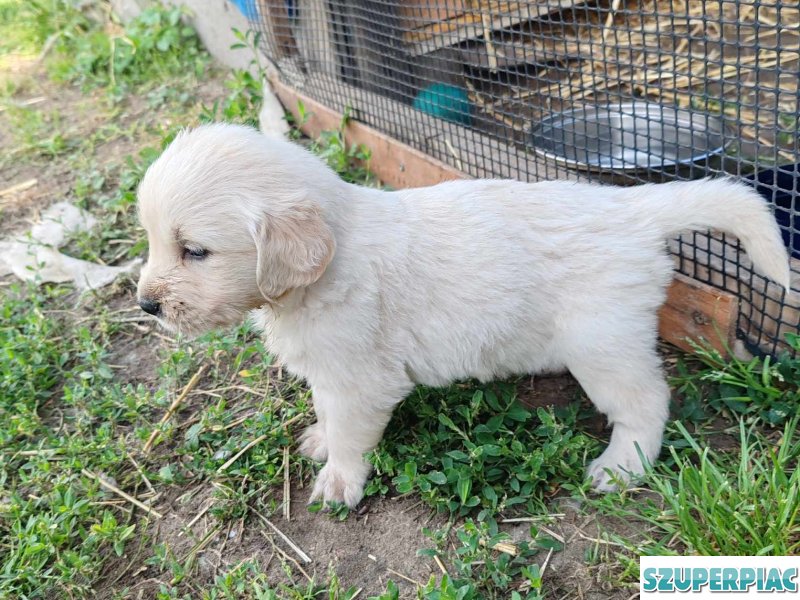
(469,25)
(415,14)
(693,309)
(698,311)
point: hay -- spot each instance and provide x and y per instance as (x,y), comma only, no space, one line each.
(736,60)
(710,56)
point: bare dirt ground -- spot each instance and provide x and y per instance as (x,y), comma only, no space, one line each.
(378,545)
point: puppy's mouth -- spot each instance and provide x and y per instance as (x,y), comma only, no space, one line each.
(174,321)
(185,327)
(189,325)
(168,325)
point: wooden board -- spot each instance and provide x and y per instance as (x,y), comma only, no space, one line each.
(765,312)
(420,13)
(484,16)
(693,309)
(698,311)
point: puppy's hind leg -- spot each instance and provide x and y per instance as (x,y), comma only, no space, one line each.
(631,390)
(354,424)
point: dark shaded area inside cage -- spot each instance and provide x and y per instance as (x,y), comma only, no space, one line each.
(620,91)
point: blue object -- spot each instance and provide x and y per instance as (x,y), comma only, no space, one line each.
(247,8)
(445,102)
(785,182)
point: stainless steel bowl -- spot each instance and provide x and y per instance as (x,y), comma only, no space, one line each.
(628,137)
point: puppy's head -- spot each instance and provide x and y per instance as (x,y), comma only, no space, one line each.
(234,220)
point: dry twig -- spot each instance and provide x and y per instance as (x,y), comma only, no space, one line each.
(287,509)
(111,487)
(256,441)
(297,550)
(19,187)
(286,556)
(173,407)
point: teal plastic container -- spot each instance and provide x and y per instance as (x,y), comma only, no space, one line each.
(445,101)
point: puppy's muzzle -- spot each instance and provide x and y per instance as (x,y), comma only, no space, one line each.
(150,306)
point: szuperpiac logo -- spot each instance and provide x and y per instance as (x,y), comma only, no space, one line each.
(719,576)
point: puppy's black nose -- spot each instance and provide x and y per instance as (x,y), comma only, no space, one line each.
(150,306)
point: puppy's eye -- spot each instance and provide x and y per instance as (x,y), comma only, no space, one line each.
(195,253)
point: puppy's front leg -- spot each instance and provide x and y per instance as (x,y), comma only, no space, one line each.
(313,442)
(353,425)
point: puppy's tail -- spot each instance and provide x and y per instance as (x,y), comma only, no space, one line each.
(728,206)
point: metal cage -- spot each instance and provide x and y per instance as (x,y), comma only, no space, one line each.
(623,91)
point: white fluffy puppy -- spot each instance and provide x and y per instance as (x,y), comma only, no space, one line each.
(365,293)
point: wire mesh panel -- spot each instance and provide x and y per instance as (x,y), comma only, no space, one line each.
(620,91)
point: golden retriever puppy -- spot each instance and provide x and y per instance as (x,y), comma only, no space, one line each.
(366,293)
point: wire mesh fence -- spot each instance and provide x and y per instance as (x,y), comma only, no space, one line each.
(620,91)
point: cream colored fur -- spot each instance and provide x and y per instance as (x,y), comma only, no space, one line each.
(366,293)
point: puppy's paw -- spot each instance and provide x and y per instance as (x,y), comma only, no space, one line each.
(337,484)
(614,468)
(313,443)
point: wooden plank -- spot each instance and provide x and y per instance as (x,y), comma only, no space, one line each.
(692,310)
(471,25)
(698,311)
(766,312)
(474,16)
(419,13)
(395,163)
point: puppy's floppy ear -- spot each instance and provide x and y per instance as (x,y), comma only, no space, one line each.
(293,251)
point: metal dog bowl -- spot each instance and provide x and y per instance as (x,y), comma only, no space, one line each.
(628,137)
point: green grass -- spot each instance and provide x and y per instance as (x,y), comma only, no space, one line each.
(480,570)
(13,38)
(475,450)
(742,499)
(736,503)
(701,501)
(50,520)
(39,132)
(243,101)
(83,46)
(156,59)
(745,501)
(64,415)
(761,391)
(117,206)
(154,47)
(71,417)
